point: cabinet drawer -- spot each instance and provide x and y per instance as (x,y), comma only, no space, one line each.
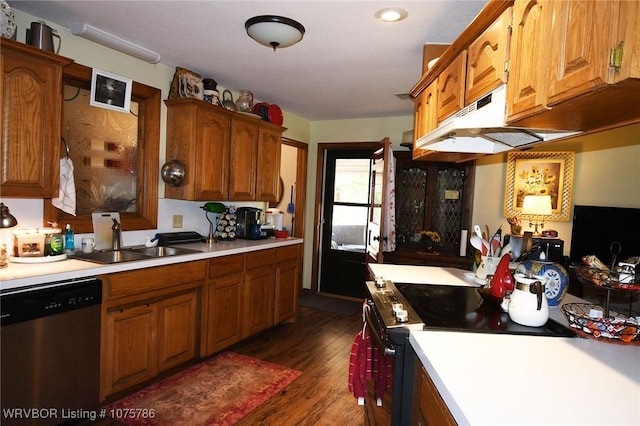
(139,281)
(287,253)
(257,259)
(226,265)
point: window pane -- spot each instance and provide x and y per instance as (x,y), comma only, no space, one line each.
(349,225)
(352,181)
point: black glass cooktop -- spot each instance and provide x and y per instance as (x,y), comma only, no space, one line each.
(462,308)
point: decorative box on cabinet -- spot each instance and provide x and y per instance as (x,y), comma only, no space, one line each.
(31,116)
(227,155)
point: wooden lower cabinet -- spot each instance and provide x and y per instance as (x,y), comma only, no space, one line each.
(429,409)
(177,329)
(130,355)
(287,283)
(158,318)
(149,325)
(224,302)
(259,288)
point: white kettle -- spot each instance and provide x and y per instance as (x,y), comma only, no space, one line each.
(528,304)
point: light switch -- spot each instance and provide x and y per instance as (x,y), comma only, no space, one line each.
(177,221)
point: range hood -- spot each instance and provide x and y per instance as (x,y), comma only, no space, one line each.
(480,129)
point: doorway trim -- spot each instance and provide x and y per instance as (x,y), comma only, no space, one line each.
(320,164)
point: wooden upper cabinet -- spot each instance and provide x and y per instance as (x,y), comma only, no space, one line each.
(220,152)
(268,165)
(451,87)
(31,114)
(425,116)
(526,89)
(487,59)
(581,36)
(244,158)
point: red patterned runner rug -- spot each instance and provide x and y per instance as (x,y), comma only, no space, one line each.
(219,391)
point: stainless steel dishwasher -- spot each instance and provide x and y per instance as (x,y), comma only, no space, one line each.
(50,344)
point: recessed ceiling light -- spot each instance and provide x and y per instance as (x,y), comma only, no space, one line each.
(391,14)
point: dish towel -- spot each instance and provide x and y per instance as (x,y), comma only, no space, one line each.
(66,200)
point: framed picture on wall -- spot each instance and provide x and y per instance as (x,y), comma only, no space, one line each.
(110,91)
(540,173)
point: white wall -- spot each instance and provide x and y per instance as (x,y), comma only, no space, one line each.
(29,211)
(606,173)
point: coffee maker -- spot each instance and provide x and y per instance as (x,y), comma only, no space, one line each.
(248,226)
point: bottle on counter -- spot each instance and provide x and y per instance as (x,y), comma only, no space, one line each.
(69,247)
(53,245)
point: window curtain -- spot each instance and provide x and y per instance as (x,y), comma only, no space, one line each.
(389,237)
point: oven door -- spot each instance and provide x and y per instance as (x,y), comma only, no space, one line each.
(397,403)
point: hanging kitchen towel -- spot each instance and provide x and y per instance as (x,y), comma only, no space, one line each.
(66,200)
(359,362)
(389,240)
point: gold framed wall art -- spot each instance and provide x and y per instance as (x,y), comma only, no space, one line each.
(540,173)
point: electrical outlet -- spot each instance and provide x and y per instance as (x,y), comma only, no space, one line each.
(177,221)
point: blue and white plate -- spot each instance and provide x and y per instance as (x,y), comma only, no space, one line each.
(557,278)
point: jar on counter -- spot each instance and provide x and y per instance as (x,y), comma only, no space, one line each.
(53,242)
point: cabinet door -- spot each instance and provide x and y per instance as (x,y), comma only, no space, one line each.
(258,300)
(581,37)
(287,283)
(425,116)
(177,329)
(268,181)
(451,87)
(243,161)
(129,350)
(487,59)
(526,91)
(30,127)
(428,406)
(224,327)
(212,156)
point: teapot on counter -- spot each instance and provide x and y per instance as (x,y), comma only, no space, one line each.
(528,304)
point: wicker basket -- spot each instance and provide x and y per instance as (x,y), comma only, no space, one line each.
(605,278)
(614,329)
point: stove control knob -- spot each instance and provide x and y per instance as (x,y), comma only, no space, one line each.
(380,282)
(402,315)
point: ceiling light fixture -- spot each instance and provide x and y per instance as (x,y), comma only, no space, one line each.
(274,31)
(391,14)
(104,38)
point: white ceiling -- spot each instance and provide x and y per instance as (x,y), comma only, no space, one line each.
(348,65)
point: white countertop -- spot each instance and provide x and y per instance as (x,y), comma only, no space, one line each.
(21,274)
(501,379)
(498,379)
(423,274)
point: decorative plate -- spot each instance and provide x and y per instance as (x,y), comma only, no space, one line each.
(37,259)
(555,274)
(7,20)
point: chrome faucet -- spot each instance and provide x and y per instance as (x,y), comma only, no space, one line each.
(116,234)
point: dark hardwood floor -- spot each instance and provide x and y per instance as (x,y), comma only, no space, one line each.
(318,343)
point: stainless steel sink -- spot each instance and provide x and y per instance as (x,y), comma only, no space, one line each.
(160,251)
(131,254)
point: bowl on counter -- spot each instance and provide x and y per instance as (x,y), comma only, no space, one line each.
(281,233)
